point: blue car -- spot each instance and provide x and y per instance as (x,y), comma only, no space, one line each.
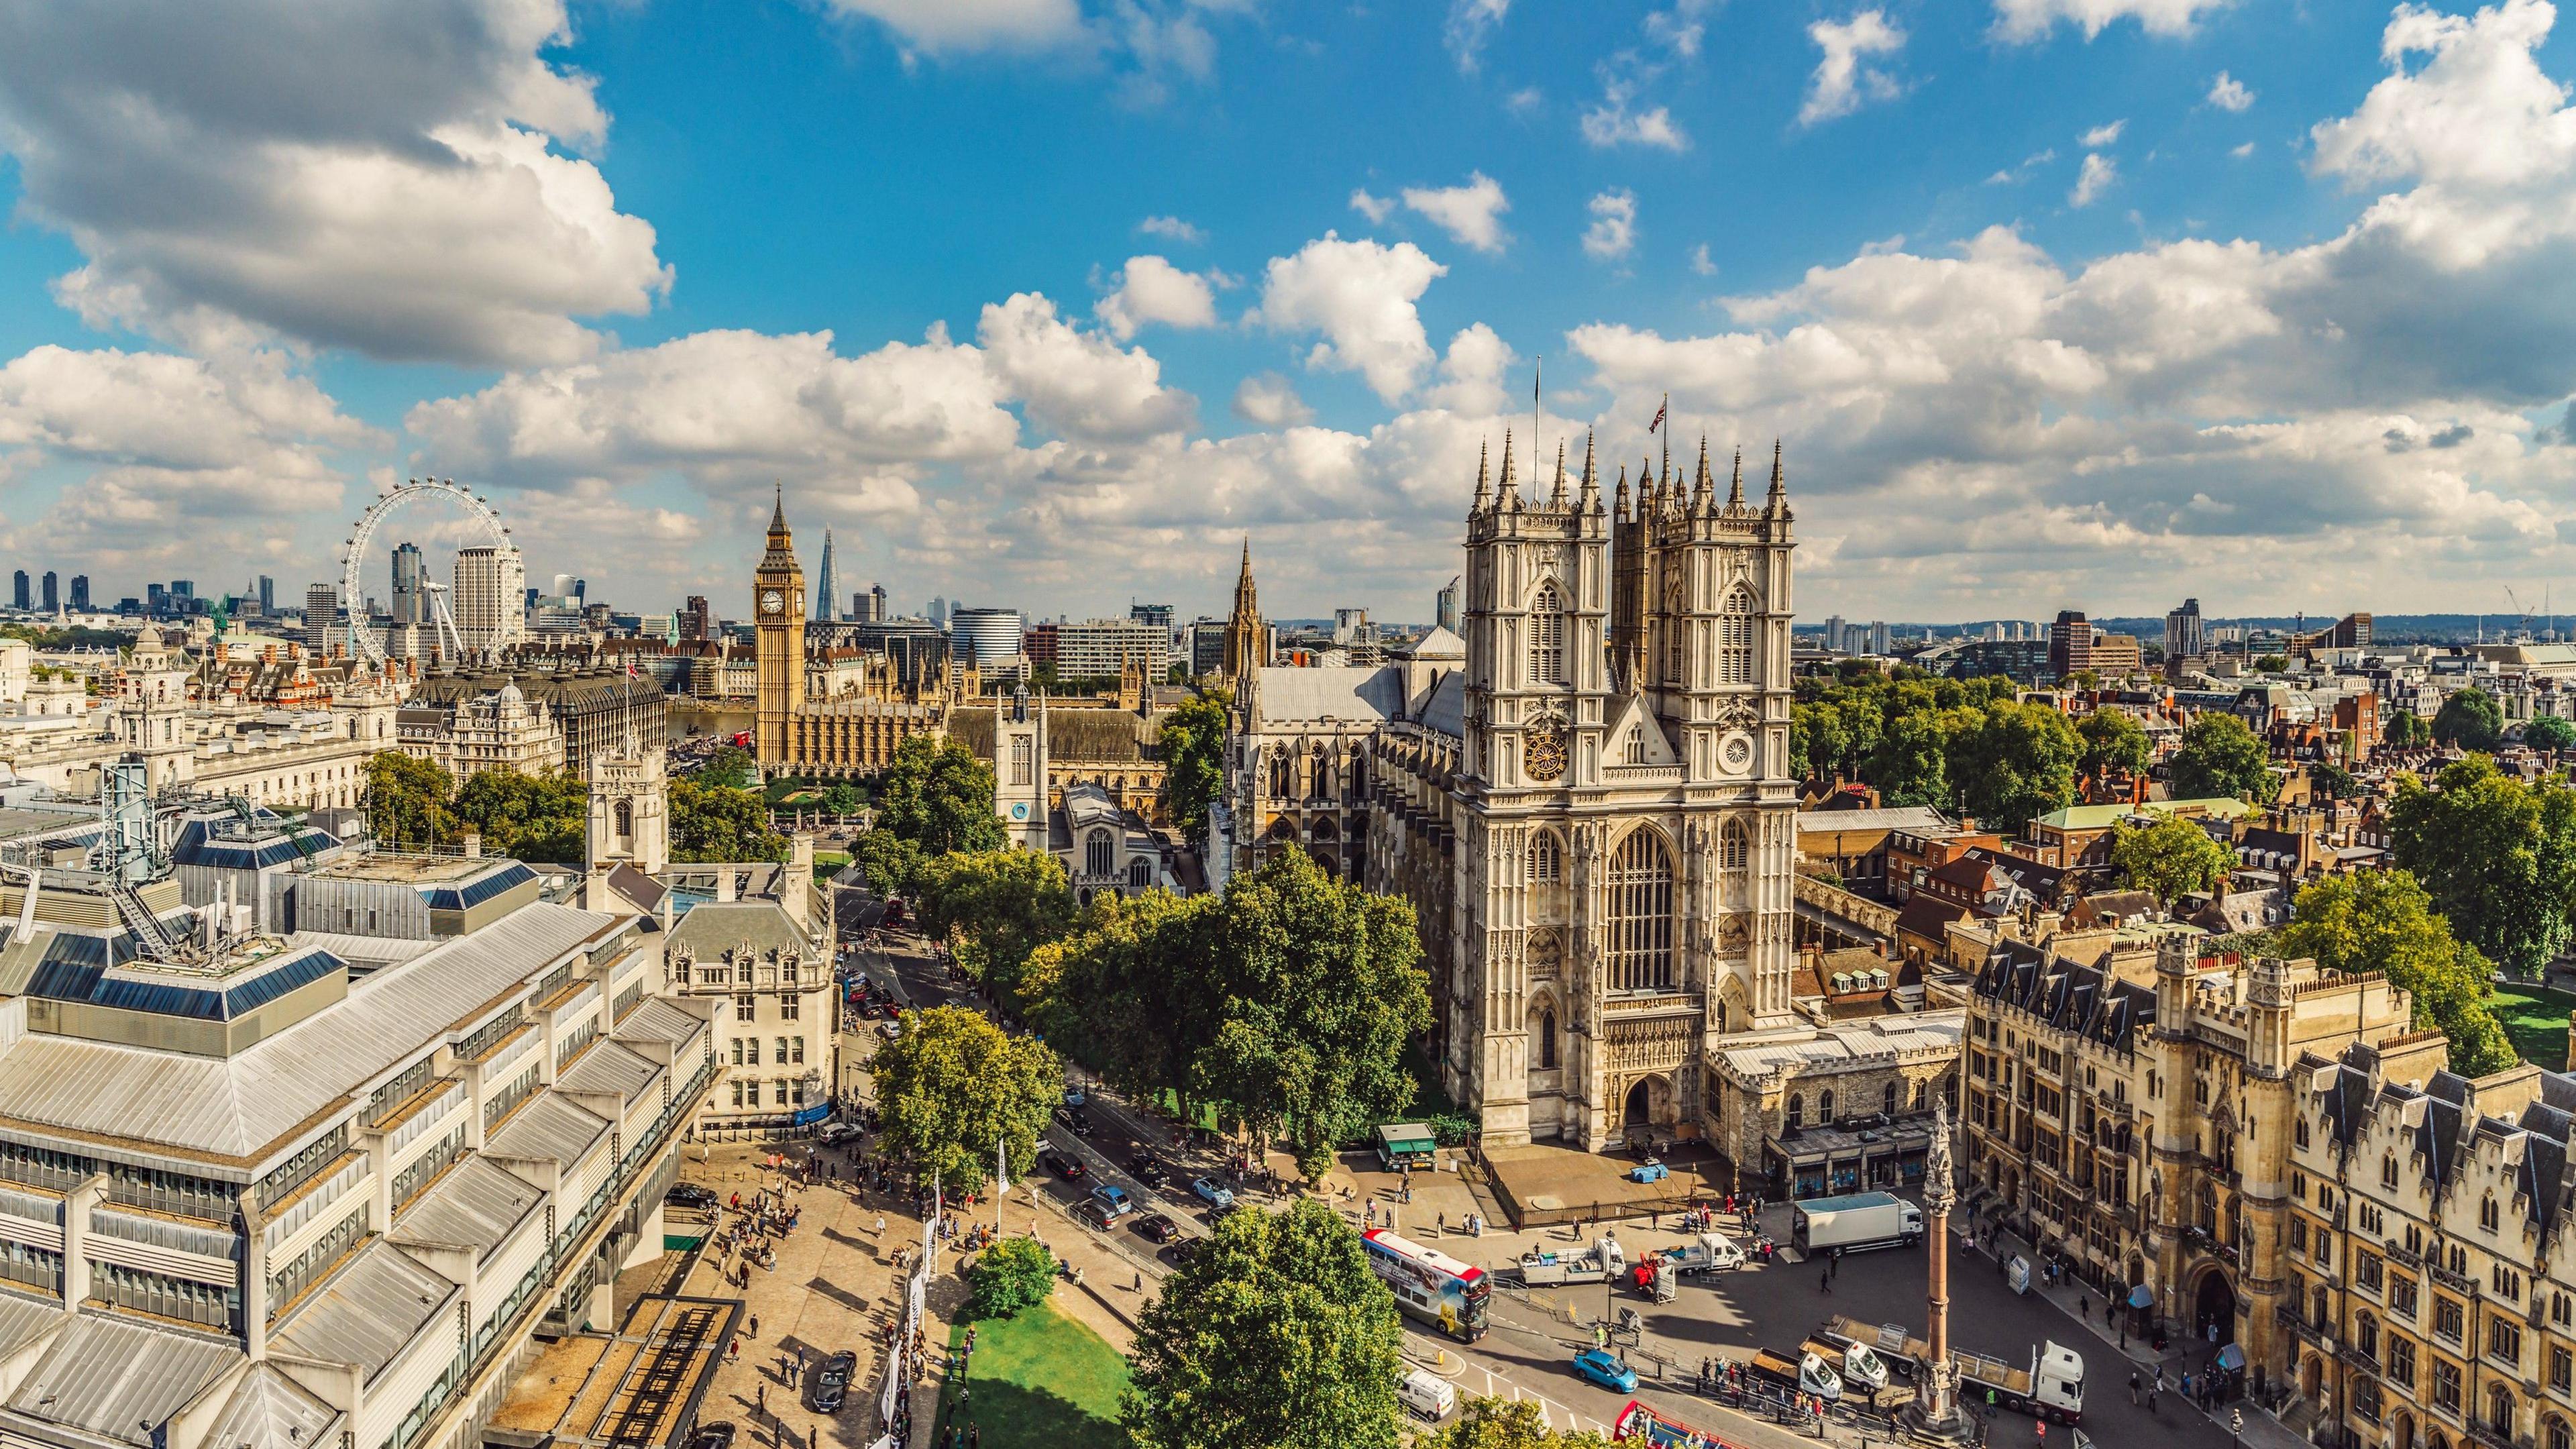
(1216,1194)
(1603,1368)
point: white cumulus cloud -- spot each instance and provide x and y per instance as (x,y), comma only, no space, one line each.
(940,26)
(2096,176)
(1150,289)
(1613,232)
(1359,295)
(1172,228)
(375,175)
(2229,94)
(2028,20)
(1375,208)
(1842,84)
(1471,213)
(1470,23)
(2102,135)
(1272,401)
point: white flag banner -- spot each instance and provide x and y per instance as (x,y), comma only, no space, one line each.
(1001,1168)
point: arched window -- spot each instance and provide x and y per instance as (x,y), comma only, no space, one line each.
(1640,934)
(1636,744)
(626,817)
(1735,638)
(1546,861)
(1734,854)
(2365,1335)
(1096,854)
(2487,1212)
(2560,1436)
(2388,1169)
(1888,1104)
(1547,637)
(1023,759)
(1797,1113)
(1547,1041)
(2500,1409)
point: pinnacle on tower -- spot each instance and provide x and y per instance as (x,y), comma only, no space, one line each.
(778,509)
(1623,493)
(1779,488)
(1556,491)
(1735,489)
(1701,488)
(1591,496)
(1504,497)
(1484,489)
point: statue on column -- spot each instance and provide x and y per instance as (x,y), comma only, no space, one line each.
(1935,1411)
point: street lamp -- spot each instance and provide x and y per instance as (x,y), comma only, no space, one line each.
(2235,1427)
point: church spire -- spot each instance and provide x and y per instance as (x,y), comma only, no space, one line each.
(1591,495)
(1484,484)
(1505,498)
(1779,485)
(1556,492)
(1701,487)
(1735,489)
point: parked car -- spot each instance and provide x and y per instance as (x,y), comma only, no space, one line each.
(713,1434)
(1181,1250)
(890,1030)
(1157,1228)
(689,1195)
(835,1132)
(1094,1212)
(1074,1121)
(1603,1367)
(1145,1169)
(1114,1198)
(1064,1165)
(1073,1097)
(832,1381)
(1214,1193)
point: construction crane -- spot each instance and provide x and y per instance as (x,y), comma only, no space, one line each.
(2519,608)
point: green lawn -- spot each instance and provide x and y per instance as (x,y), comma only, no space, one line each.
(2536,1020)
(1042,1381)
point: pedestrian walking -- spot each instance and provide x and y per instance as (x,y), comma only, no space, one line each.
(755,1325)
(2083,1308)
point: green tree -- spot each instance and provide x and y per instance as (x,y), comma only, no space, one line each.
(2407,730)
(2168,858)
(729,768)
(2272,664)
(2113,740)
(994,907)
(1908,766)
(711,822)
(954,1086)
(2549,732)
(937,795)
(1322,989)
(2331,780)
(2012,761)
(843,798)
(2220,757)
(1192,740)
(893,865)
(1507,1424)
(1011,1277)
(2384,921)
(2498,858)
(408,800)
(541,817)
(1275,1335)
(1129,992)
(2469,719)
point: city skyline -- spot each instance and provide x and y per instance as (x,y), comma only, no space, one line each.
(2202,302)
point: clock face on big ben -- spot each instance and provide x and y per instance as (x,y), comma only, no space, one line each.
(772,601)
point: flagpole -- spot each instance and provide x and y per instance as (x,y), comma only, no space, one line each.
(1666,413)
(1538,417)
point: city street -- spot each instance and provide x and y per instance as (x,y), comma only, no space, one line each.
(1536,1333)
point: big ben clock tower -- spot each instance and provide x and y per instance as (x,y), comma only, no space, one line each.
(778,610)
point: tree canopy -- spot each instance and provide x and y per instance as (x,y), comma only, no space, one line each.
(408,800)
(715,822)
(1487,1423)
(994,907)
(1275,1335)
(1193,745)
(2384,921)
(2497,857)
(2549,732)
(1011,1277)
(953,1086)
(2407,730)
(2469,719)
(2113,740)
(2168,858)
(2012,761)
(2220,757)
(541,817)
(731,767)
(937,795)
(892,864)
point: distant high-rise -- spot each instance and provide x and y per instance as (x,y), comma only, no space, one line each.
(490,584)
(939,611)
(1833,633)
(267,594)
(53,593)
(19,598)
(827,584)
(1444,608)
(987,638)
(321,604)
(1158,614)
(2185,638)
(698,619)
(411,601)
(1880,642)
(80,593)
(880,604)
(2070,644)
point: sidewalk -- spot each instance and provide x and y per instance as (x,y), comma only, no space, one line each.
(2262,1431)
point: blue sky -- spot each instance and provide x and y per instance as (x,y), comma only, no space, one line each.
(2091,303)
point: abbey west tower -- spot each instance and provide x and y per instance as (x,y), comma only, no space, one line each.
(1626,815)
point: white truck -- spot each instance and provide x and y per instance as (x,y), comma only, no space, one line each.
(1707,1253)
(1602,1261)
(1860,1365)
(1854,1223)
(2052,1387)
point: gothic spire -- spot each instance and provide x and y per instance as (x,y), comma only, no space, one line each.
(1735,490)
(1591,496)
(1622,513)
(1484,483)
(1701,487)
(1556,491)
(1779,487)
(1505,498)
(778,509)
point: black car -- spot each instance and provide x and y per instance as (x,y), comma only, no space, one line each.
(1074,1120)
(1181,1250)
(832,1381)
(1157,1228)
(689,1195)
(713,1434)
(1146,1170)
(1064,1165)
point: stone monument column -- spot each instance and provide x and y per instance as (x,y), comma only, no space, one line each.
(1935,1411)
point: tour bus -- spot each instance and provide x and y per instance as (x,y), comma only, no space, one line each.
(1431,1285)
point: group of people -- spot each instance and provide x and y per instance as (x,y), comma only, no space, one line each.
(1725,1378)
